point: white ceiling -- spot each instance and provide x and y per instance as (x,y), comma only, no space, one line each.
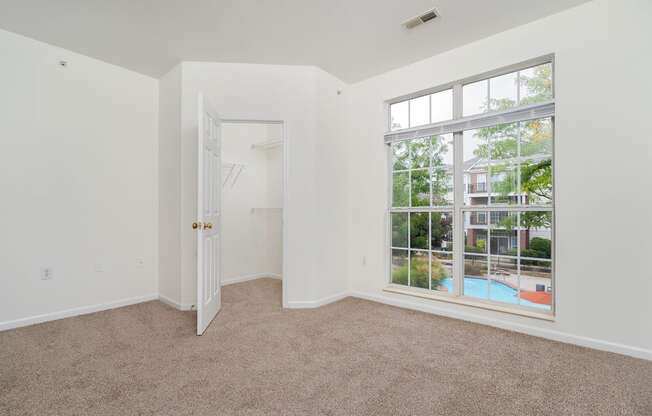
(351,39)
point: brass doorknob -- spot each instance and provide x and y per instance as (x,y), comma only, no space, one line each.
(208,226)
(196,225)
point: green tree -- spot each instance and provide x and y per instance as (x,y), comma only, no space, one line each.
(399,229)
(441,230)
(537,86)
(419,230)
(441,174)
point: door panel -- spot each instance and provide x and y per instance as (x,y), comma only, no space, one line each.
(209,265)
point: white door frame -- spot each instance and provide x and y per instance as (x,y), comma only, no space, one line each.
(285,190)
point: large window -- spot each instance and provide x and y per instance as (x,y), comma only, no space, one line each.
(471,207)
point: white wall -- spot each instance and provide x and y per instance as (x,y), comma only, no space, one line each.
(251,238)
(78,179)
(306,99)
(169,185)
(334,204)
(602,165)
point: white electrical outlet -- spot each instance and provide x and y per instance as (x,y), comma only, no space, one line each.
(364,260)
(99,268)
(140,262)
(47,273)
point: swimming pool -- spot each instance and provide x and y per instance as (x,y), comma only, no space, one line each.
(498,292)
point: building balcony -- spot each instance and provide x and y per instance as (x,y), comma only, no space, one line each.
(480,218)
(476,219)
(476,188)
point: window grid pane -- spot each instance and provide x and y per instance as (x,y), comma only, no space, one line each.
(399,115)
(420,111)
(441,106)
(442,170)
(475,97)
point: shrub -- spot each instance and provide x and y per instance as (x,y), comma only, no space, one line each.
(542,245)
(439,273)
(419,273)
(420,242)
(400,275)
(527,252)
(474,249)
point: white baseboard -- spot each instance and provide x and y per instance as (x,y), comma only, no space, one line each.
(316,303)
(83,310)
(246,278)
(175,304)
(551,334)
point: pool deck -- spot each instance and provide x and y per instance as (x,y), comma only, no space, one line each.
(528,287)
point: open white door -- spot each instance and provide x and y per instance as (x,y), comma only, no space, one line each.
(209,209)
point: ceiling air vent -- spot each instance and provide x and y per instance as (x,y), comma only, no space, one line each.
(425,17)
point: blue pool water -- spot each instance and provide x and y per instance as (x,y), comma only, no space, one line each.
(498,292)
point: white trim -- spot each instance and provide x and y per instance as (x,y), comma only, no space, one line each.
(307,304)
(83,310)
(175,304)
(493,118)
(248,277)
(550,334)
(284,212)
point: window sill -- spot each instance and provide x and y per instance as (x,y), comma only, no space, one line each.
(402,290)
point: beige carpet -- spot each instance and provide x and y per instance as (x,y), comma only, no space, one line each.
(352,357)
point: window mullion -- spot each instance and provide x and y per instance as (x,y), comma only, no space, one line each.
(518,88)
(430,250)
(458,215)
(489,164)
(488,96)
(390,198)
(518,255)
(431,201)
(489,279)
(520,198)
(409,246)
(409,204)
(458,197)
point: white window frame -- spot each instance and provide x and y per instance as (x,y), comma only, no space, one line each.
(457,126)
